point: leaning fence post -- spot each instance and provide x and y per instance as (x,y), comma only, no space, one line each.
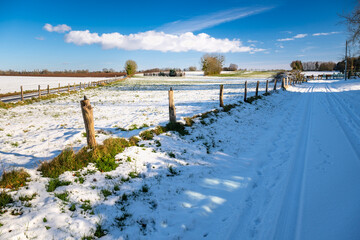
(221,95)
(267,86)
(87,112)
(48,89)
(245,91)
(39,91)
(257,89)
(172,112)
(275,84)
(22,93)
(283,83)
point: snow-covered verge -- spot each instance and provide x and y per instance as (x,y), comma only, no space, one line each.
(13,83)
(37,132)
(284,167)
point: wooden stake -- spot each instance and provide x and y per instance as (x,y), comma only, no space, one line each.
(275,84)
(245,91)
(221,95)
(22,93)
(283,84)
(39,91)
(48,89)
(172,112)
(87,112)
(267,86)
(257,89)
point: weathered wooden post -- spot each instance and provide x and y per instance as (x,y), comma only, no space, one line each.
(283,83)
(59,89)
(22,93)
(287,81)
(267,86)
(221,95)
(257,89)
(275,84)
(68,87)
(245,91)
(172,112)
(87,112)
(39,91)
(48,89)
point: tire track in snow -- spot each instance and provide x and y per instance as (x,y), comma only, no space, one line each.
(334,103)
(289,220)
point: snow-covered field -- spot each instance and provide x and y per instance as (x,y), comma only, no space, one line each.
(13,83)
(284,167)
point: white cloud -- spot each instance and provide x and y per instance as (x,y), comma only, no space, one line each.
(300,36)
(210,20)
(40,38)
(61,28)
(324,34)
(159,41)
(292,38)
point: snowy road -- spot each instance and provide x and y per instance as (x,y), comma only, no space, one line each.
(316,162)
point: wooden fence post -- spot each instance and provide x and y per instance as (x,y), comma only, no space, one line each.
(59,89)
(39,91)
(221,95)
(275,84)
(245,91)
(48,89)
(172,112)
(87,112)
(69,87)
(283,83)
(257,89)
(267,86)
(22,93)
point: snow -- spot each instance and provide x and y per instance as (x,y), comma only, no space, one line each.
(284,167)
(13,83)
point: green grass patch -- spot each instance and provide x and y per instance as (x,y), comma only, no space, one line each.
(27,198)
(102,155)
(5,199)
(63,196)
(105,192)
(14,179)
(54,183)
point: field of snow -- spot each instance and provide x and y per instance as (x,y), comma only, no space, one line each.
(284,167)
(13,83)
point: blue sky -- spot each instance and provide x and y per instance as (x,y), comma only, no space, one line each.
(104,34)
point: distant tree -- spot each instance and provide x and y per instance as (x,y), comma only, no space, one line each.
(296,65)
(212,64)
(105,70)
(233,67)
(130,67)
(192,68)
(327,66)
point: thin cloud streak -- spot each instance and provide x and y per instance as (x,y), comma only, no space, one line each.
(210,20)
(292,38)
(324,34)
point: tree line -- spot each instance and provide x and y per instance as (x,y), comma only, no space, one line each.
(353,64)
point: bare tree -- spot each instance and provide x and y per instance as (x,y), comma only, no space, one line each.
(352,21)
(212,64)
(130,67)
